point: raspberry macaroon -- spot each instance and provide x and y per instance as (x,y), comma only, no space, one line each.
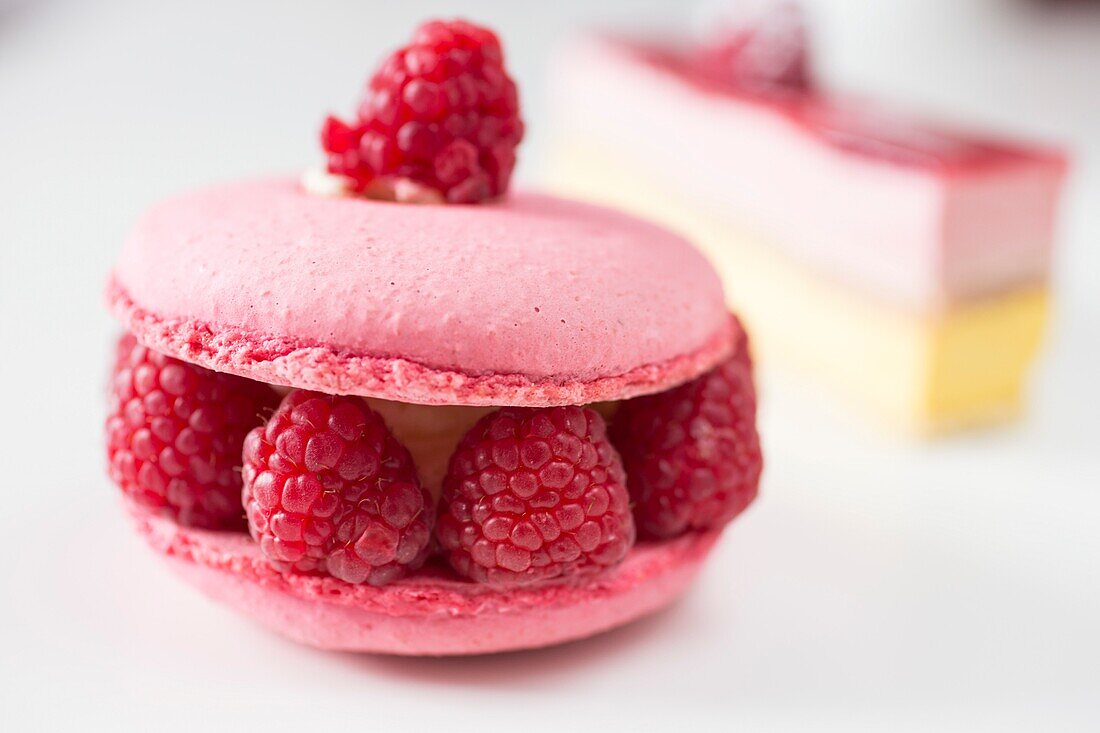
(467,384)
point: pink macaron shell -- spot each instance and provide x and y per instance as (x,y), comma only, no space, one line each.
(431,613)
(533,300)
(290,362)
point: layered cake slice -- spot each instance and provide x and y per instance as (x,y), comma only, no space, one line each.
(899,263)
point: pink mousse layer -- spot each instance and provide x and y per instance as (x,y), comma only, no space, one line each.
(911,212)
(535,300)
(431,613)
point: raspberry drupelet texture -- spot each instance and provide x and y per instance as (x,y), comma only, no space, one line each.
(534,494)
(174,435)
(328,489)
(440,113)
(692,453)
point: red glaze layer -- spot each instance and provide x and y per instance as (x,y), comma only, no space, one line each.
(854,125)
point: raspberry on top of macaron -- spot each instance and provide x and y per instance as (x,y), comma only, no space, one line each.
(607,414)
(438,121)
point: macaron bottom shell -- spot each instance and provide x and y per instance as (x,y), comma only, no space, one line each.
(433,612)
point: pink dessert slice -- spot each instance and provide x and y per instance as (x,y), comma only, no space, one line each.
(919,215)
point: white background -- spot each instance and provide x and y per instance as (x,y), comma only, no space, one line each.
(878,583)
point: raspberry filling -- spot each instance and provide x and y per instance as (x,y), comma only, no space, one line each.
(368,490)
(174,435)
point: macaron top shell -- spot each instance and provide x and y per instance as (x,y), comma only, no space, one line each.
(532,300)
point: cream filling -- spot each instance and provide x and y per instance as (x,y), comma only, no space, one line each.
(319,182)
(431,433)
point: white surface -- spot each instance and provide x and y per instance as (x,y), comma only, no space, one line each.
(877,584)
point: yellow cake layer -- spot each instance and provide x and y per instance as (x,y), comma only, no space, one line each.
(926,372)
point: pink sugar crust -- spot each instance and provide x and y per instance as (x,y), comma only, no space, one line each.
(534,300)
(432,612)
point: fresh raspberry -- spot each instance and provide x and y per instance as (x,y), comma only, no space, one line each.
(533,494)
(441,113)
(328,489)
(757,46)
(174,435)
(692,453)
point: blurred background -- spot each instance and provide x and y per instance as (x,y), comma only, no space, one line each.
(945,585)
